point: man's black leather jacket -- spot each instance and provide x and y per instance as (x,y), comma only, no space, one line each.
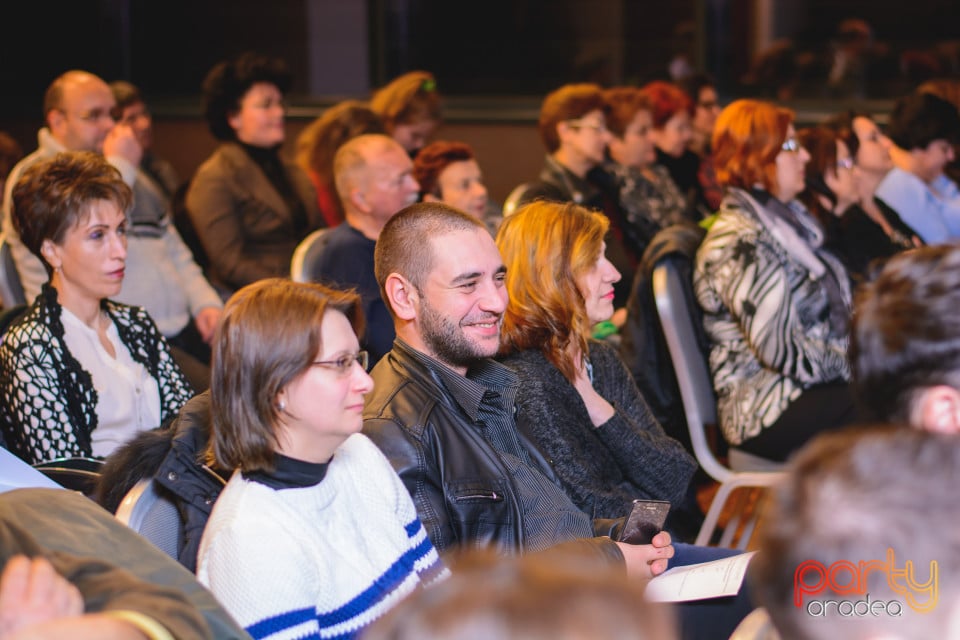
(463,492)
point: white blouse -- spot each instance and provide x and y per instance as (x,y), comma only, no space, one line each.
(128,397)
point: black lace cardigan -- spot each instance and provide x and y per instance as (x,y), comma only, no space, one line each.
(48,404)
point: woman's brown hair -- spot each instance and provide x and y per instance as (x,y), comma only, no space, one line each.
(268,336)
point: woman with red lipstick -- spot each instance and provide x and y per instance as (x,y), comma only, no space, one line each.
(80,374)
(576,399)
(776,302)
(250,207)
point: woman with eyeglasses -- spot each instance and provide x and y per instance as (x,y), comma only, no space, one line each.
(833,194)
(776,303)
(314,535)
(573,127)
(249,206)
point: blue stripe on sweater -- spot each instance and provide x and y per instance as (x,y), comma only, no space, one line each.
(413,528)
(386,584)
(281,622)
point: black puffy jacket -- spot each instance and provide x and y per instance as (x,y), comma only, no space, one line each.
(174,457)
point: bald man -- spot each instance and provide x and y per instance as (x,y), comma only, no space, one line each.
(161,275)
(374,178)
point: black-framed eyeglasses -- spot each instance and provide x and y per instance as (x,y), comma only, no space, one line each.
(344,364)
(791,145)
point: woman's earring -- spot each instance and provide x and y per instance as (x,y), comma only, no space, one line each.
(281,405)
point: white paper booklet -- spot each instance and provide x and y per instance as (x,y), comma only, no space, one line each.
(17,474)
(700,581)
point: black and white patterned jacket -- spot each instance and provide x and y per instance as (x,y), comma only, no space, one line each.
(767,311)
(48,404)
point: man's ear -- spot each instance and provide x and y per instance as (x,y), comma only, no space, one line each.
(402,296)
(55,121)
(359,200)
(937,409)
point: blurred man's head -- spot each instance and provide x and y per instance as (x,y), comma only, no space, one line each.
(374,178)
(861,542)
(78,107)
(905,342)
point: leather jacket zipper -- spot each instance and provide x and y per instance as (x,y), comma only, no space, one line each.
(479,495)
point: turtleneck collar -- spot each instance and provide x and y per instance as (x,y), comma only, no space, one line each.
(289,473)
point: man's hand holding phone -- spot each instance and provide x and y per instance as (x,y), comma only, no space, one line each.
(646,548)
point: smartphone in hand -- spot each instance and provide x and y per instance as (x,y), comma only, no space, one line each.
(644,521)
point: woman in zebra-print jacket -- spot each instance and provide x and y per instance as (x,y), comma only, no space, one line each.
(776,304)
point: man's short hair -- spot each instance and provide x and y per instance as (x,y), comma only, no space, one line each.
(55,195)
(906,331)
(404,245)
(53,97)
(433,159)
(920,118)
(351,159)
(849,497)
(569,102)
(558,593)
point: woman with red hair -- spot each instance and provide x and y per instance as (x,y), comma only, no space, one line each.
(672,110)
(776,304)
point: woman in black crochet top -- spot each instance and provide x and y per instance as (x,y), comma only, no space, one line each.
(80,374)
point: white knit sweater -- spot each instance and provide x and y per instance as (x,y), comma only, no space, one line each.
(322,561)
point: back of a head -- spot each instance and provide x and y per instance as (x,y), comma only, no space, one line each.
(906,331)
(547,247)
(551,595)
(918,119)
(746,140)
(405,247)
(319,142)
(857,507)
(409,98)
(569,102)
